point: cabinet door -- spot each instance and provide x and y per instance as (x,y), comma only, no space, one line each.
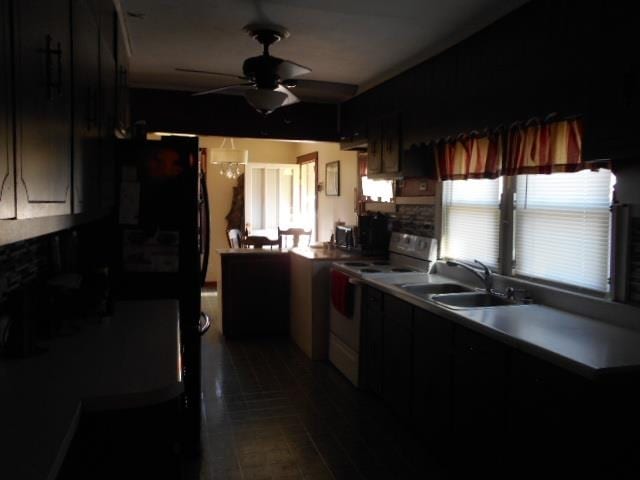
(371,345)
(479,392)
(43,107)
(397,343)
(123,115)
(612,123)
(391,144)
(432,366)
(374,161)
(7,178)
(86,95)
(550,412)
(107,123)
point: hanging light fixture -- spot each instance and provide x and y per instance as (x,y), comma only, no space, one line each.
(229,159)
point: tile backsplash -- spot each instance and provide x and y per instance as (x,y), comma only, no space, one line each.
(21,262)
(414,219)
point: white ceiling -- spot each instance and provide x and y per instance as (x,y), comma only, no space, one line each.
(361,42)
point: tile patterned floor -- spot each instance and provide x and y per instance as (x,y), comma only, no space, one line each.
(271,413)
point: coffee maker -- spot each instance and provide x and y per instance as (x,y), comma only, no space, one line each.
(374,233)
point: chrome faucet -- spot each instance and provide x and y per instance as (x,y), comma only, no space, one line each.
(486,277)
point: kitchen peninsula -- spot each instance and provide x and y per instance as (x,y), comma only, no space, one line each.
(278,292)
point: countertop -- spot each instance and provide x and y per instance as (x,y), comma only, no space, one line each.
(309,253)
(590,347)
(252,251)
(321,253)
(131,360)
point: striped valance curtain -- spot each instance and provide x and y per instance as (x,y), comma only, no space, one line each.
(537,146)
(470,156)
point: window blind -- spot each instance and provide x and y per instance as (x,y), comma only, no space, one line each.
(471,220)
(562,227)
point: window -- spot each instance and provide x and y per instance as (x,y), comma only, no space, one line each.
(471,220)
(272,198)
(561,226)
(381,190)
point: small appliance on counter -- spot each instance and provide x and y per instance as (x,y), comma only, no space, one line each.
(374,234)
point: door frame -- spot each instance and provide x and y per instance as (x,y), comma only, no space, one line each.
(311,157)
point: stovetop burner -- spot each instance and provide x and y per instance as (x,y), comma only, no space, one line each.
(370,270)
(356,264)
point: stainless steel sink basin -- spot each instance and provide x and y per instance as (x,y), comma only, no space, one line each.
(433,288)
(471,300)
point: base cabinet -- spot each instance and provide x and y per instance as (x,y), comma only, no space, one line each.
(397,366)
(371,344)
(431,389)
(254,301)
(499,408)
(479,395)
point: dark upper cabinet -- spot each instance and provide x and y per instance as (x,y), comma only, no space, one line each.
(7,177)
(42,62)
(432,365)
(123,113)
(108,75)
(353,122)
(86,104)
(391,144)
(613,117)
(384,146)
(374,151)
(397,354)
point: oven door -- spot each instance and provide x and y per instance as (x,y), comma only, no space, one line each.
(344,336)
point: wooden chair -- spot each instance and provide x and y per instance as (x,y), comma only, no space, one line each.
(258,241)
(234,236)
(295,233)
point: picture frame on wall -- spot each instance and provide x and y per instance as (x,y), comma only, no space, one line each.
(332,178)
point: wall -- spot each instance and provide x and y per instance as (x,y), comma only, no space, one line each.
(221,188)
(334,208)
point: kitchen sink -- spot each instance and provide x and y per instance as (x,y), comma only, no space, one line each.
(433,288)
(471,300)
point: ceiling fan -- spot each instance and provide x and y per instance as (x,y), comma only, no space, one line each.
(268,79)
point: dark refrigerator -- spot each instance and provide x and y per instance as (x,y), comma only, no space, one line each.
(161,240)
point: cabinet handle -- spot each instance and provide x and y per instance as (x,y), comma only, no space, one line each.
(51,83)
(92,107)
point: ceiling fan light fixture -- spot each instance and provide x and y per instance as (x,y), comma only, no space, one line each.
(265,101)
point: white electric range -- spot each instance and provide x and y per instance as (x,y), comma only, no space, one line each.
(408,254)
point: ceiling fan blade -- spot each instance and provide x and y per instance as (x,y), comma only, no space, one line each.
(228,90)
(287,69)
(207,72)
(291,98)
(322,92)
